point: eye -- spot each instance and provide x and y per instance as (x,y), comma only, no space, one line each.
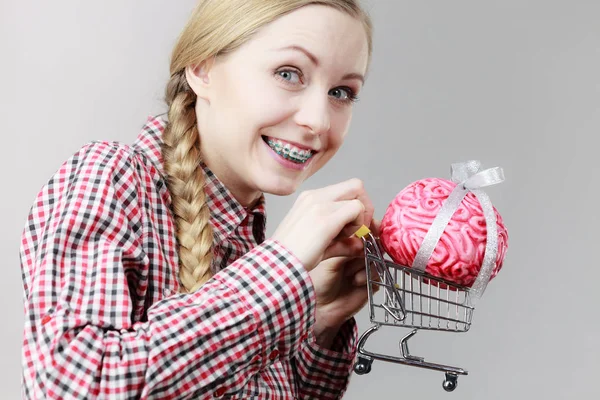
(343,94)
(290,76)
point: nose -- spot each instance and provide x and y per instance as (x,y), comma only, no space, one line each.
(313,113)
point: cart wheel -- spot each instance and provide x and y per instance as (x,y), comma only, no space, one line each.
(363,366)
(450,382)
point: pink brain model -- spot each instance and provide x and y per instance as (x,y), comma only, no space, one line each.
(458,255)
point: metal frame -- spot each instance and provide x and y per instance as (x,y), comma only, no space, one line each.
(411,299)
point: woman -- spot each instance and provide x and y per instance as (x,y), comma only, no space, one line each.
(146,269)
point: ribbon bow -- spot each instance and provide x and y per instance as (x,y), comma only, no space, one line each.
(468,178)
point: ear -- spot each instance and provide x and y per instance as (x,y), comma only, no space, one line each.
(198,77)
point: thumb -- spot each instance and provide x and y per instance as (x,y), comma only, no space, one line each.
(349,247)
(375,227)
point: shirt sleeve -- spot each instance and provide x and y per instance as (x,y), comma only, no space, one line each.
(325,373)
(82,247)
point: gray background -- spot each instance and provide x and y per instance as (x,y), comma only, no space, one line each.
(513,83)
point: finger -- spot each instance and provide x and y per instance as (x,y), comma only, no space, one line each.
(348,247)
(369,211)
(375,227)
(356,265)
(367,215)
(359,271)
(353,266)
(360,278)
(375,287)
(377,279)
(347,190)
(350,216)
(332,264)
(350,189)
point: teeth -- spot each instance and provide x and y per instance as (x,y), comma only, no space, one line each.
(289,151)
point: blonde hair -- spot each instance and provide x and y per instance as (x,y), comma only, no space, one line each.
(215,27)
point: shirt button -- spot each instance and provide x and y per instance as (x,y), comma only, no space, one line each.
(274,354)
(46,319)
(219,392)
(167,292)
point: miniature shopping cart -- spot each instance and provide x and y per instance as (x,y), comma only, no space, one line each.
(412,299)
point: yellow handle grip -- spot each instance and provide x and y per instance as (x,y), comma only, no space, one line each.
(362,232)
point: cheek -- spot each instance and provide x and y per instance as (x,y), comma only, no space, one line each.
(268,104)
(255,94)
(236,92)
(335,139)
(340,123)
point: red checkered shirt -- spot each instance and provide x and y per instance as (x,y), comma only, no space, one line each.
(103,316)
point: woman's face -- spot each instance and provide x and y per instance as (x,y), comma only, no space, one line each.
(274,111)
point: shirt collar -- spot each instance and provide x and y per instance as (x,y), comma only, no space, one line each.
(226,213)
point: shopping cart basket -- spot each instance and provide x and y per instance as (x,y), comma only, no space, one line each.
(412,299)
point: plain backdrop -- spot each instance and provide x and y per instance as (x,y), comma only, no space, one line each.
(512,83)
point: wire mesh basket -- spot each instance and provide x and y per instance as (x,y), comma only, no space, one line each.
(411,298)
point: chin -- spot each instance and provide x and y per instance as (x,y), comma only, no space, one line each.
(279,190)
(280,187)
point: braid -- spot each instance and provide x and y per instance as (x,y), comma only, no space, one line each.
(181,155)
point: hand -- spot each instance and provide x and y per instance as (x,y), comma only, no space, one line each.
(321,221)
(341,289)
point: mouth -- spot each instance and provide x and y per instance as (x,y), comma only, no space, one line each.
(289,151)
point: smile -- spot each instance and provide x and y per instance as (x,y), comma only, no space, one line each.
(289,151)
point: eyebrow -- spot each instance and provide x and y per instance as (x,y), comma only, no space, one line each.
(315,61)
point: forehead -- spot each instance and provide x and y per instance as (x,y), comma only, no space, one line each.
(337,39)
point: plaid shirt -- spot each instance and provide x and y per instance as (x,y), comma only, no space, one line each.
(103,316)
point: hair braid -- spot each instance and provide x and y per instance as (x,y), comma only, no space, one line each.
(182,157)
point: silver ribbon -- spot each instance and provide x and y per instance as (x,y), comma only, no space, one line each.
(468,178)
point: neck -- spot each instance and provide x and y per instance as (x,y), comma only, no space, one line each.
(247,197)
